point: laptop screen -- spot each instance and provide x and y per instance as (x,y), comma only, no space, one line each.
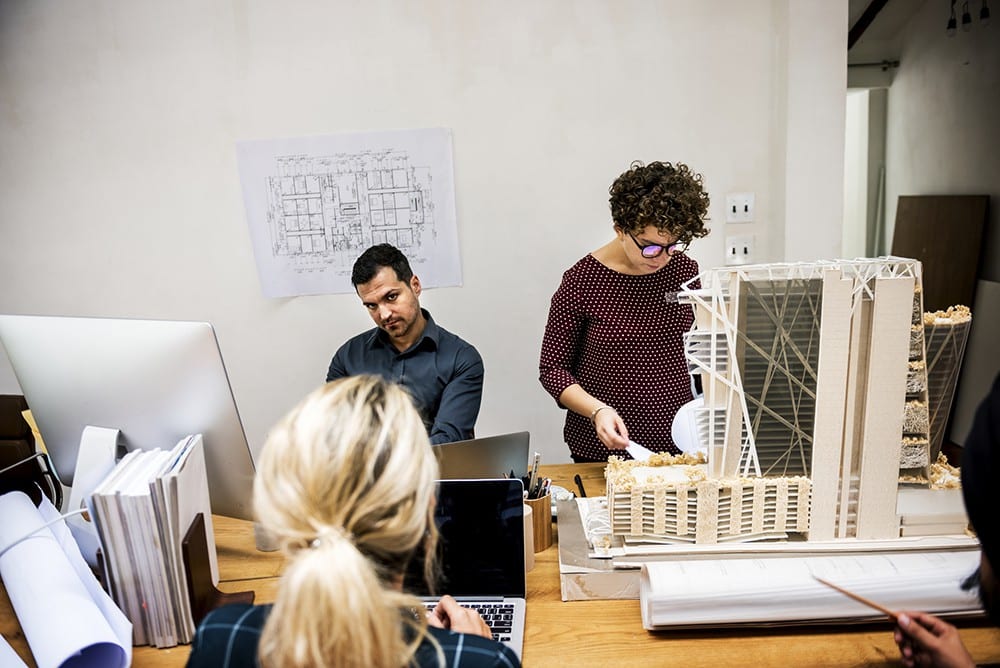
(487,457)
(481,550)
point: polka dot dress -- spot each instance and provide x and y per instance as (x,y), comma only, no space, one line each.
(619,337)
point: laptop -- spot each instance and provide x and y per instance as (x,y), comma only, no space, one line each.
(489,457)
(481,554)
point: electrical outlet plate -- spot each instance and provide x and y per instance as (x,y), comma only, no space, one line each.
(739,208)
(739,249)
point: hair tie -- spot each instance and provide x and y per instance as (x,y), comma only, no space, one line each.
(328,534)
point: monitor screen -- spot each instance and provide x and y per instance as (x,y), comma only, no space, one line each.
(154,380)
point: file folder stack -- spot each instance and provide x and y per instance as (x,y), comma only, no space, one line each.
(143,509)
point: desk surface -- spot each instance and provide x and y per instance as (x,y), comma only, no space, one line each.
(584,633)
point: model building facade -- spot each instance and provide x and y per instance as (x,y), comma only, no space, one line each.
(809,403)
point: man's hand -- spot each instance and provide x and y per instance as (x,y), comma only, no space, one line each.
(448,614)
(925,640)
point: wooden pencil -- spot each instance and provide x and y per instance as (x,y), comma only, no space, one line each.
(860,599)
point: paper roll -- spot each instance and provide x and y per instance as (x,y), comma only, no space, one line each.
(529,540)
(64,613)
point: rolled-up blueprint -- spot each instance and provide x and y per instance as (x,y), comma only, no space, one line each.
(67,619)
(8,657)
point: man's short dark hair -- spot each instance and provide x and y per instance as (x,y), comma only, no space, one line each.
(376,257)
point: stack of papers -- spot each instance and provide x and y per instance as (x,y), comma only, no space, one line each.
(769,590)
(143,509)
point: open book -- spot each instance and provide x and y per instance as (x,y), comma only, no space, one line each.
(143,509)
(773,590)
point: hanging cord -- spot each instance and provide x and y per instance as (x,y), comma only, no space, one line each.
(31,533)
(44,458)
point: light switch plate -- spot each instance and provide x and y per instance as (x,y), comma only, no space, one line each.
(739,207)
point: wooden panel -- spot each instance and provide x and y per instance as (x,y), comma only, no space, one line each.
(945,233)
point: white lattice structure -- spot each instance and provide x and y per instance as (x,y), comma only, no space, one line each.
(945,335)
(808,371)
(804,368)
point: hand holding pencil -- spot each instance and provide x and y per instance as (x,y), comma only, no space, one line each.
(923,639)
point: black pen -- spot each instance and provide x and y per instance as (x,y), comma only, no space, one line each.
(579,485)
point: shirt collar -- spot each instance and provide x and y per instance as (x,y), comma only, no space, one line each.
(432,334)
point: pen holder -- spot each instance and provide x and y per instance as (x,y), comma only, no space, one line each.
(529,539)
(541,521)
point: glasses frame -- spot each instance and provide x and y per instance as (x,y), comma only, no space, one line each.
(657,249)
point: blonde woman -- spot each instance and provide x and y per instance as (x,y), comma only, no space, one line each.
(346,483)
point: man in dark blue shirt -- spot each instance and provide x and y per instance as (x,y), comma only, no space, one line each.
(443,373)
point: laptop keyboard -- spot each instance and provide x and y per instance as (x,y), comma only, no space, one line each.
(498,616)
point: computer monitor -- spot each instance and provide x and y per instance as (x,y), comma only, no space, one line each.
(154,380)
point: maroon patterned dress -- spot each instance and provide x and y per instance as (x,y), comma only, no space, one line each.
(620,337)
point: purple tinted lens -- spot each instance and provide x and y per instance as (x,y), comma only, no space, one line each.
(651,251)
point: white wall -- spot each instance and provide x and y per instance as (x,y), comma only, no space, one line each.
(816,72)
(855,174)
(943,132)
(119,193)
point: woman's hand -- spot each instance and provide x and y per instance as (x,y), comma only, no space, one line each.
(611,429)
(448,614)
(925,640)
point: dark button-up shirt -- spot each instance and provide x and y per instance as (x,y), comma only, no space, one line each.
(443,373)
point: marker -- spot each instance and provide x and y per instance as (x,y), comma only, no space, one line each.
(579,485)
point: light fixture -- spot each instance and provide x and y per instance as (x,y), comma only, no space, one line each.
(984,14)
(952,24)
(966,17)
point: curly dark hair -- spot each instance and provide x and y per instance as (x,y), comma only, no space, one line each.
(376,257)
(669,197)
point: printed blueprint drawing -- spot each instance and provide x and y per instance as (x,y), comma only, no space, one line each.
(315,204)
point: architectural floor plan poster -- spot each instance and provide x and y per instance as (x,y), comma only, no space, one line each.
(314,204)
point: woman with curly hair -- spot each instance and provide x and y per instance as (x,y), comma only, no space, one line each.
(613,351)
(346,484)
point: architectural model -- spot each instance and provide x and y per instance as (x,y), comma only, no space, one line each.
(815,407)
(945,333)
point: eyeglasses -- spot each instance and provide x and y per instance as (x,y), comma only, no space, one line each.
(654,250)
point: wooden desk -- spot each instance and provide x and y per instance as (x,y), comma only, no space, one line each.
(582,633)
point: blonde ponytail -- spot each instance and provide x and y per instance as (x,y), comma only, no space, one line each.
(346,483)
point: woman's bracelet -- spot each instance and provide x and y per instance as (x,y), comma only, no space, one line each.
(593,413)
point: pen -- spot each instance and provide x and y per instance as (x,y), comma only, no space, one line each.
(860,599)
(533,474)
(579,485)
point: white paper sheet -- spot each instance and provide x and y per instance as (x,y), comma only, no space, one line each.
(8,657)
(639,453)
(94,461)
(62,609)
(313,204)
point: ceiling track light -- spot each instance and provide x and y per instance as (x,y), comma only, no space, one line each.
(952,27)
